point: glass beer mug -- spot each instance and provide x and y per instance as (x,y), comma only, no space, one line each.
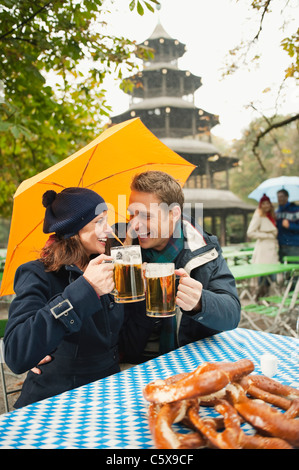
(128,279)
(160,289)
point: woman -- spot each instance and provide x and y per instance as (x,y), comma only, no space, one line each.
(63,306)
(263,229)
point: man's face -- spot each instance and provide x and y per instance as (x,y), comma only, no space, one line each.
(152,220)
(282,199)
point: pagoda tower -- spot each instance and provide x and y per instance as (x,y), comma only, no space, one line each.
(163,98)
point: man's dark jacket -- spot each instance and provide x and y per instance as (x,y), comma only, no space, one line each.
(220,305)
(202,259)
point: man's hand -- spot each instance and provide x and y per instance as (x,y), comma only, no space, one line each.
(285,223)
(189,292)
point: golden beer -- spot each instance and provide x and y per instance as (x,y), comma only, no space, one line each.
(129,284)
(160,290)
(128,279)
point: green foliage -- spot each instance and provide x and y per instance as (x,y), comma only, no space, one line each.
(140,9)
(40,125)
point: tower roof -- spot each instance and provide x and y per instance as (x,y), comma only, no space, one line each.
(165,46)
(216,200)
(163,78)
(159,32)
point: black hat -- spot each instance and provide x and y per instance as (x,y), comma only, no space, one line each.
(69,211)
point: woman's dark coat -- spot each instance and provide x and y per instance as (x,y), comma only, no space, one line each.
(60,314)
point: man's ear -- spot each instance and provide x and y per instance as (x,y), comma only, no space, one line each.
(176,213)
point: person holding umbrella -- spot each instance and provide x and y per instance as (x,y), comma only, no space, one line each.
(63,316)
(287,216)
(263,229)
(207,297)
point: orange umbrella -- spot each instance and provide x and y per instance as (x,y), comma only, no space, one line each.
(106,165)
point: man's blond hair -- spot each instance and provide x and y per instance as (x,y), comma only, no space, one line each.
(163,185)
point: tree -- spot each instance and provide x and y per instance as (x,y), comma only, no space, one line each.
(42,124)
(279,149)
(245,54)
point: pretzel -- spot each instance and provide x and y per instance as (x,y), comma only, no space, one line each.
(206,379)
(272,386)
(232,437)
(266,419)
(226,386)
(262,394)
(161,417)
(267,389)
(224,440)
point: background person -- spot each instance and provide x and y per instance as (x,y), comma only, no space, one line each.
(63,314)
(206,294)
(263,229)
(287,219)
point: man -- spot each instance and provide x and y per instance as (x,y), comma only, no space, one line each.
(206,294)
(287,216)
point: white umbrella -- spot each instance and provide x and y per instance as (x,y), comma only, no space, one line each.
(272,185)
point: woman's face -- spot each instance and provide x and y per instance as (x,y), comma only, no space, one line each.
(265,206)
(94,235)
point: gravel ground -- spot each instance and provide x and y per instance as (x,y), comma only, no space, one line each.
(13,381)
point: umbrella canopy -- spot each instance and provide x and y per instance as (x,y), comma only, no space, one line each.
(107,166)
(272,185)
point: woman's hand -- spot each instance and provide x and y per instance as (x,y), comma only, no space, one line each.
(99,274)
(189,292)
(45,360)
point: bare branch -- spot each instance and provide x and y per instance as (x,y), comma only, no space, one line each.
(262,134)
(282,123)
(262,19)
(269,122)
(256,154)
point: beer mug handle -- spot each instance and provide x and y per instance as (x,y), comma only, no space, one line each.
(143,266)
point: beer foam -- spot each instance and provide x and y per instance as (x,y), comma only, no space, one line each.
(159,269)
(130,260)
(126,255)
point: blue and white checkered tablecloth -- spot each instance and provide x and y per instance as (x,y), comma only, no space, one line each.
(112,413)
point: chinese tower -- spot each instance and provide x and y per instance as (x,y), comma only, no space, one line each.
(163,98)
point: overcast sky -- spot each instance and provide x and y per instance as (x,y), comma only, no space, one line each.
(210,29)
